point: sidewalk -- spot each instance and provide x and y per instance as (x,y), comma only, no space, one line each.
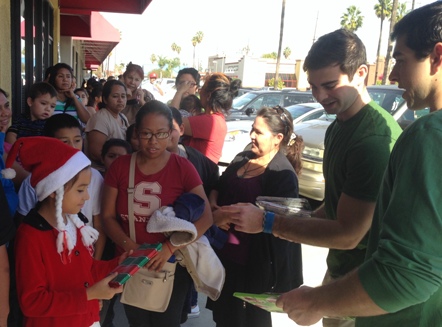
(314,269)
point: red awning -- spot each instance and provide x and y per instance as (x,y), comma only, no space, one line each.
(116,6)
(75,23)
(103,38)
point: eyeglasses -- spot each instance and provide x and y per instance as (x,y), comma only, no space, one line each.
(283,117)
(187,82)
(149,135)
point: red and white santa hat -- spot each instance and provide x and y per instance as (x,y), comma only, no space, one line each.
(52,164)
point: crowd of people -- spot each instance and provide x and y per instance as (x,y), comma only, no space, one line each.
(85,169)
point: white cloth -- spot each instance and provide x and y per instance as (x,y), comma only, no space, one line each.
(198,257)
(204,267)
(163,220)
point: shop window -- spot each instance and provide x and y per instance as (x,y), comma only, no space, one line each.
(32,46)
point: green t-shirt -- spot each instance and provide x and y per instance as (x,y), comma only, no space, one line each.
(403,271)
(355,157)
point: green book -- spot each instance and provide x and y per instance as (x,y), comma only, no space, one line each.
(265,301)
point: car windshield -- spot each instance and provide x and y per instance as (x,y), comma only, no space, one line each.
(240,102)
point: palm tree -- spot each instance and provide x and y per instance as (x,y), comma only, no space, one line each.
(401,11)
(197,39)
(176,48)
(153,58)
(382,10)
(390,43)
(281,33)
(352,19)
(287,52)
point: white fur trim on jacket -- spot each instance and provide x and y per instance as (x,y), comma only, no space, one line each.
(163,220)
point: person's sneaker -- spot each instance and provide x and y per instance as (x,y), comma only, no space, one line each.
(194,312)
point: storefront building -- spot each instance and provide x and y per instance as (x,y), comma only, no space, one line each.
(36,34)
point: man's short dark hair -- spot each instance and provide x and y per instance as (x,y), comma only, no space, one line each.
(192,71)
(42,88)
(342,48)
(422,29)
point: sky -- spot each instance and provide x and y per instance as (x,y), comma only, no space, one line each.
(231,25)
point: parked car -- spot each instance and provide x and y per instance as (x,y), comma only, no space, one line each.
(246,106)
(238,131)
(311,180)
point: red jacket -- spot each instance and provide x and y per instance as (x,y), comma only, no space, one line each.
(51,293)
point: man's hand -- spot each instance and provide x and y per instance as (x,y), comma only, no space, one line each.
(246,217)
(299,304)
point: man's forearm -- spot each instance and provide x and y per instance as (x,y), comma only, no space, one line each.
(312,231)
(346,298)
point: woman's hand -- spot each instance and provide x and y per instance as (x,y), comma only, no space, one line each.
(221,219)
(102,290)
(158,261)
(139,94)
(185,87)
(124,256)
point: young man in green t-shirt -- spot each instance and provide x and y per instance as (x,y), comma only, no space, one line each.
(357,147)
(400,283)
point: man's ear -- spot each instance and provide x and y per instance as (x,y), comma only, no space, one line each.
(361,73)
(436,58)
(181,129)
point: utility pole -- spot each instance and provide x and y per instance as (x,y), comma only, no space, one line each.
(390,43)
(316,25)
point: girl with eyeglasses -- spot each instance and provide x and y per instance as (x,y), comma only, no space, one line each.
(258,263)
(160,178)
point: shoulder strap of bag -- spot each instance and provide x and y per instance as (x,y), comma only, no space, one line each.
(130,196)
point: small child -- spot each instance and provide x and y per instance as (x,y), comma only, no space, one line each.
(58,281)
(192,106)
(112,149)
(41,104)
(67,129)
(83,95)
(132,138)
(84,98)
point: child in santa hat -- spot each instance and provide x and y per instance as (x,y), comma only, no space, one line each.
(58,281)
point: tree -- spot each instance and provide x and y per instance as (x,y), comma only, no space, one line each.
(153,58)
(390,42)
(281,33)
(176,48)
(401,11)
(197,39)
(272,55)
(382,10)
(352,19)
(287,52)
(171,65)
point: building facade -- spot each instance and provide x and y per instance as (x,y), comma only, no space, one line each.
(36,34)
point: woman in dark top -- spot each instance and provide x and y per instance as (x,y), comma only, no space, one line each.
(257,263)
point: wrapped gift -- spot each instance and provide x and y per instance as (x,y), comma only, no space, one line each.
(289,207)
(139,258)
